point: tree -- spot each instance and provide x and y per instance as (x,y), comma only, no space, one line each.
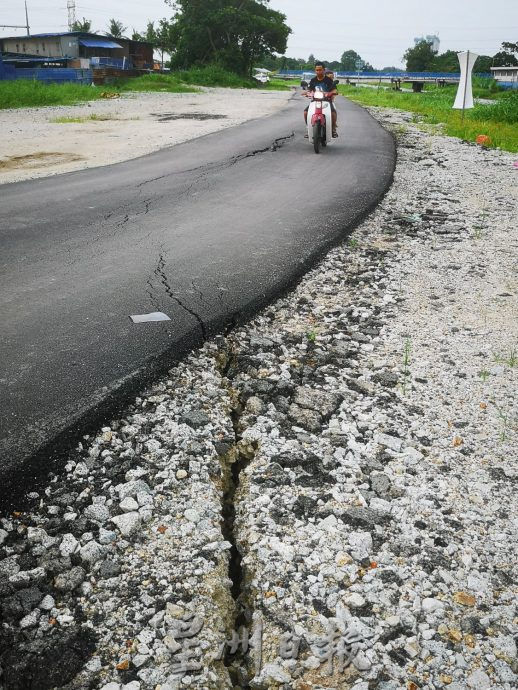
(85,26)
(116,29)
(348,60)
(504,59)
(420,58)
(510,47)
(446,62)
(507,55)
(483,64)
(164,39)
(149,35)
(231,33)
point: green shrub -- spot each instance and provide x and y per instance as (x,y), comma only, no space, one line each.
(214,75)
(505,109)
(28,93)
(161,81)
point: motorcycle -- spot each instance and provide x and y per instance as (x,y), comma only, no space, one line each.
(320,127)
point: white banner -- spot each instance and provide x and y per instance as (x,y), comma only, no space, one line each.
(464,97)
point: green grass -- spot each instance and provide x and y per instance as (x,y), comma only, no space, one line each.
(65,120)
(277,85)
(498,121)
(213,75)
(25,93)
(171,83)
(485,88)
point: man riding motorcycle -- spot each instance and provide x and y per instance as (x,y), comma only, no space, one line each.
(321,82)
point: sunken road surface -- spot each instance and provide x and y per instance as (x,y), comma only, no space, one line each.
(337,478)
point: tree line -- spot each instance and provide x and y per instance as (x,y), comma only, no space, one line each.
(422,58)
(241,34)
(234,34)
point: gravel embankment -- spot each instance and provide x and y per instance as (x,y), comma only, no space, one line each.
(357,442)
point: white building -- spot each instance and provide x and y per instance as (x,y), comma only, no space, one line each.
(434,40)
(506,76)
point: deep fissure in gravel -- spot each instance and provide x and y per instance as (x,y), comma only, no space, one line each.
(233,464)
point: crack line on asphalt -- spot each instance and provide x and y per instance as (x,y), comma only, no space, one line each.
(212,167)
(162,276)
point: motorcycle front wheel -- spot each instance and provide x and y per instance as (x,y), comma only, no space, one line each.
(317,134)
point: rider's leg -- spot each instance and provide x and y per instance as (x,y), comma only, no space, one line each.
(333,120)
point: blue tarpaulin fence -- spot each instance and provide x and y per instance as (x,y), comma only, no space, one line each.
(49,75)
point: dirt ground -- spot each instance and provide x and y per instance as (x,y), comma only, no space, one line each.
(37,142)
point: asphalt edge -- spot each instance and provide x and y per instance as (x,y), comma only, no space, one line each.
(34,471)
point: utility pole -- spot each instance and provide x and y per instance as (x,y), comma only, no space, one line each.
(71,7)
(27,19)
(18,26)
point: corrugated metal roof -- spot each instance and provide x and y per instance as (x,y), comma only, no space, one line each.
(98,43)
(74,34)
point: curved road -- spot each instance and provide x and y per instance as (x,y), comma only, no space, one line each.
(207,231)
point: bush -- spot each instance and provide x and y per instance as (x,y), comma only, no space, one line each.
(504,110)
(214,75)
(29,93)
(151,82)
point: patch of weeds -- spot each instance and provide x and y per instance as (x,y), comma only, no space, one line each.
(311,336)
(478,231)
(511,359)
(484,374)
(430,128)
(88,118)
(504,420)
(353,243)
(406,362)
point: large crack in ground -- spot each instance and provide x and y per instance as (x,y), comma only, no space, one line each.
(292,474)
(233,465)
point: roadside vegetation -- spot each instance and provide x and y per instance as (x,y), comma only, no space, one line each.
(184,81)
(25,93)
(498,121)
(150,82)
(32,94)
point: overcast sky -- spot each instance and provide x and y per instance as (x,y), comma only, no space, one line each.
(380,30)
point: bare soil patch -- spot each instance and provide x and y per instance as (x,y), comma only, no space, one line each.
(39,159)
(37,142)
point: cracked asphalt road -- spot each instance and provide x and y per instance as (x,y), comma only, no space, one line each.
(207,231)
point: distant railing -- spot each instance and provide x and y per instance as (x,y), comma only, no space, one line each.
(398,74)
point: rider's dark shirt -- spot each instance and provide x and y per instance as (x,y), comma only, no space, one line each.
(325,85)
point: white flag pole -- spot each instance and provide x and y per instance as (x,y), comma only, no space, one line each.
(465,87)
